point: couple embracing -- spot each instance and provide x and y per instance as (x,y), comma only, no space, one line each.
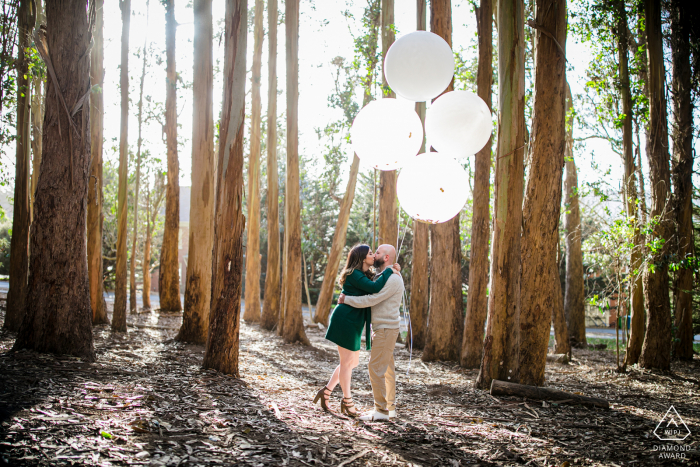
(367,298)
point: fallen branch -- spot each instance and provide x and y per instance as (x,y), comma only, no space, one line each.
(504,388)
(353,458)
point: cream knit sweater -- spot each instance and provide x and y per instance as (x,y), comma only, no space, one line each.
(385,304)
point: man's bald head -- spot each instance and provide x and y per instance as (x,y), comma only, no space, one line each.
(385,255)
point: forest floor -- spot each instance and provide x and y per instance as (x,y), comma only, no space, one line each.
(147,401)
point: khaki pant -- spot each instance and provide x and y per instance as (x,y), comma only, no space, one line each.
(381,369)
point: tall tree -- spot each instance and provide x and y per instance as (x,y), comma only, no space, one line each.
(388,207)
(137,179)
(636,292)
(19,244)
(473,338)
(573,292)
(541,207)
(502,342)
(154,198)
(271,301)
(195,321)
(682,177)
(367,48)
(222,343)
(119,315)
(252,257)
(38,90)
(58,317)
(656,350)
(293,330)
(562,344)
(95,217)
(169,276)
(420,264)
(445,323)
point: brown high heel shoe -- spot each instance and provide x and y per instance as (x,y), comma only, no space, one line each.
(345,407)
(321,395)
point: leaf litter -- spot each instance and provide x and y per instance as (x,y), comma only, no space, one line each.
(148,401)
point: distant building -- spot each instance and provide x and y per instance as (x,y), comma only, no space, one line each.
(183,240)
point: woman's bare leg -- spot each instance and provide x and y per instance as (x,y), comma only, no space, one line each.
(348,361)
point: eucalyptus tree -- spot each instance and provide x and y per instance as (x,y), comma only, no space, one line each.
(169,276)
(195,321)
(119,315)
(58,316)
(19,244)
(501,345)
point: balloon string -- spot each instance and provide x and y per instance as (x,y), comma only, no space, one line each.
(516,149)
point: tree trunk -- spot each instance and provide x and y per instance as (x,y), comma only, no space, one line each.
(420,292)
(132,278)
(271,301)
(198,290)
(562,344)
(95,217)
(146,268)
(227,262)
(443,339)
(19,243)
(682,178)
(37,116)
(58,316)
(252,257)
(656,350)
(573,293)
(634,346)
(169,276)
(293,330)
(119,315)
(473,337)
(542,203)
(502,344)
(325,297)
(388,207)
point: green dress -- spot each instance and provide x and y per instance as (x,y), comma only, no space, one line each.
(346,323)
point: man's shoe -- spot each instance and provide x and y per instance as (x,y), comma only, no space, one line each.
(374,416)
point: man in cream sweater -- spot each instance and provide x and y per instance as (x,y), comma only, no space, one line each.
(385,330)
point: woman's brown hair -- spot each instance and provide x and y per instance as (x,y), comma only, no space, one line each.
(356,257)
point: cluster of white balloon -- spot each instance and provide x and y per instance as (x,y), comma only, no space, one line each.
(432,187)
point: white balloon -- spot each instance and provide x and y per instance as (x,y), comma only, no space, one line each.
(419,66)
(458,123)
(432,187)
(386,134)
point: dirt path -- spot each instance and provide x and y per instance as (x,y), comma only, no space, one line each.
(155,405)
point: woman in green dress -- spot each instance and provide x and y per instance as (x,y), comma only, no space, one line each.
(347,323)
